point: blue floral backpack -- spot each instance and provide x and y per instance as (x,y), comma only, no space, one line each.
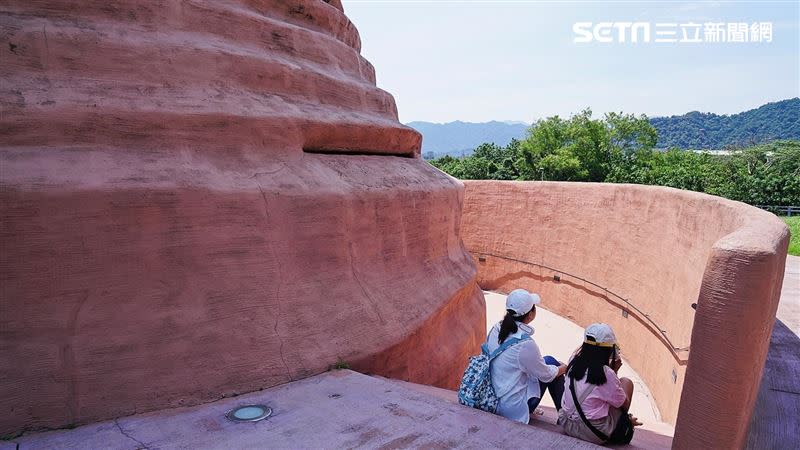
(476,389)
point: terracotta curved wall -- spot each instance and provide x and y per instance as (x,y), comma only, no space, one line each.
(203,198)
(661,249)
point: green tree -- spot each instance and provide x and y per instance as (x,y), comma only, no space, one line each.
(582,148)
(766,174)
(619,148)
(502,160)
(450,165)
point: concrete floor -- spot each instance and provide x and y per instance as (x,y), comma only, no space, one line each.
(338,409)
(776,417)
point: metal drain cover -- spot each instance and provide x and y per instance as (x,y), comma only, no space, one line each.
(249,413)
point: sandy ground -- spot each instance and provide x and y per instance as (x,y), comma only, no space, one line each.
(559,337)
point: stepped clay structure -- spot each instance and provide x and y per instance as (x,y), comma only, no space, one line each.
(638,258)
(204,198)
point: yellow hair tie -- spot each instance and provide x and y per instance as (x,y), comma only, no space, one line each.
(598,344)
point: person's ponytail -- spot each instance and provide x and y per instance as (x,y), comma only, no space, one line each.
(508,326)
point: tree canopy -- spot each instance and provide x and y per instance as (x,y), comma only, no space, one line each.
(620,148)
(773,121)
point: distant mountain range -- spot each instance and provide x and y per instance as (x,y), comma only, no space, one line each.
(694,130)
(460,138)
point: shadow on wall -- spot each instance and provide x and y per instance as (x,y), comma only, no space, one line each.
(638,258)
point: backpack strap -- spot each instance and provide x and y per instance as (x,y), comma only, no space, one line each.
(505,346)
(600,435)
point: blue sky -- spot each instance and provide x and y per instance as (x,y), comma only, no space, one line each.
(516,60)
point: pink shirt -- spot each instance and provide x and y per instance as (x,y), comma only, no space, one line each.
(596,404)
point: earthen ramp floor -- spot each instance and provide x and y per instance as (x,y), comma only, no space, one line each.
(338,409)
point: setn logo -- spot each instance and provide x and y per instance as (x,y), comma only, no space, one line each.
(604,32)
(688,32)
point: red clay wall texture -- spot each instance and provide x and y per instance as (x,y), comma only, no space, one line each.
(662,249)
(166,240)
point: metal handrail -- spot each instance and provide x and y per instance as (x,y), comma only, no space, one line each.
(655,327)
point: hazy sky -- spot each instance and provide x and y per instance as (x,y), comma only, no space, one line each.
(516,60)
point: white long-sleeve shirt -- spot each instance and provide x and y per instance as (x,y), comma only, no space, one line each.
(516,373)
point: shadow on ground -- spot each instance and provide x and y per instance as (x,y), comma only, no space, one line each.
(776,416)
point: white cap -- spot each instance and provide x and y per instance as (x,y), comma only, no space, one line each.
(602,335)
(521,301)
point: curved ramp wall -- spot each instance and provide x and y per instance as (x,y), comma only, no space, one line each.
(638,257)
(204,198)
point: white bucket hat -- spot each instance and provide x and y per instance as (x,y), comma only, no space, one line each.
(601,335)
(521,301)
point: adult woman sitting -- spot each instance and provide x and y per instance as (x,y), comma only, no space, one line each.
(519,374)
(595,408)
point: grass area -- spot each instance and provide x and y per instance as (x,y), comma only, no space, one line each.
(794,227)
